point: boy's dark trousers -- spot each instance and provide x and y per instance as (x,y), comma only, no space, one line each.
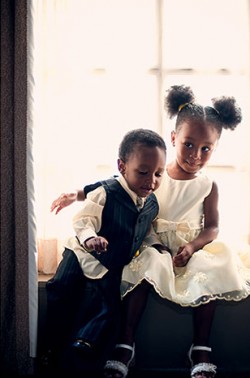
(102,320)
(81,308)
(63,293)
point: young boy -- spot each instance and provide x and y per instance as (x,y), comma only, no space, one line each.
(110,228)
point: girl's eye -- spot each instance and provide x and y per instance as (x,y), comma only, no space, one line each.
(142,173)
(188,145)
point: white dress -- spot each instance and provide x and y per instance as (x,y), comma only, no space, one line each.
(213,272)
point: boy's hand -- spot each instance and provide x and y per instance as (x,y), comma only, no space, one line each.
(65,199)
(98,244)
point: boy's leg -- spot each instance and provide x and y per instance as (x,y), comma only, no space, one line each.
(63,295)
(104,319)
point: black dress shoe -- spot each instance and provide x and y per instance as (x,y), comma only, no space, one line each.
(49,361)
(82,346)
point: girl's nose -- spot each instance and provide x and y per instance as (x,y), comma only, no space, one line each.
(195,155)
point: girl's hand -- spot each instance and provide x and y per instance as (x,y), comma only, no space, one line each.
(98,244)
(65,199)
(183,255)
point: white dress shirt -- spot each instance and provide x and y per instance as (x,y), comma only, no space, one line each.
(87,223)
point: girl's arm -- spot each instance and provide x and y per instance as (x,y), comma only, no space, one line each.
(208,234)
(66,199)
(211,220)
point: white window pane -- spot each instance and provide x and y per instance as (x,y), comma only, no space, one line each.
(208,34)
(103,109)
(98,33)
(92,65)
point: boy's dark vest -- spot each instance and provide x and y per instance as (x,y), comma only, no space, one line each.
(122,224)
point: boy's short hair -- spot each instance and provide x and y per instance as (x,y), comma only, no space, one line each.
(139,136)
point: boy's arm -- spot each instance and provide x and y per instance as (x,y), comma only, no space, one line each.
(87,222)
(152,240)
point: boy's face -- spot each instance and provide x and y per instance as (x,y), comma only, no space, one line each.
(144,169)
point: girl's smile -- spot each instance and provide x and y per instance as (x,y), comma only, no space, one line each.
(194,144)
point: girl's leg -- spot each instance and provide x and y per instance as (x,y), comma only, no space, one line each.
(202,322)
(133,306)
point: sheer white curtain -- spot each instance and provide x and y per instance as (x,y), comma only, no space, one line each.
(101,68)
(93,83)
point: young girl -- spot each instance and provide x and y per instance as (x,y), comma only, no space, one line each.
(110,229)
(199,269)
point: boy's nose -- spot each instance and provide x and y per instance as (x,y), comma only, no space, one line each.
(150,180)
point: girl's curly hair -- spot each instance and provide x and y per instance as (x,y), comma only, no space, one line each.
(180,102)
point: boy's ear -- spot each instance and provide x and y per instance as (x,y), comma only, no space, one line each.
(173,137)
(121,166)
(216,145)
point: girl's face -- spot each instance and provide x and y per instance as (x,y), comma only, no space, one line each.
(144,169)
(194,144)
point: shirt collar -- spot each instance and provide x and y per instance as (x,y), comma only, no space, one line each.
(132,194)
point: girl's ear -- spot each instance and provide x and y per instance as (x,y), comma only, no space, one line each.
(121,166)
(173,134)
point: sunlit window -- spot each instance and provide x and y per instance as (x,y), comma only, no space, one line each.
(101,68)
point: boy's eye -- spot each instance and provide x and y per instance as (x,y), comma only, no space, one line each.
(205,148)
(158,174)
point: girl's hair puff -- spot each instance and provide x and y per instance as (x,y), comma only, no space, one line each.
(137,137)
(229,112)
(224,113)
(177,95)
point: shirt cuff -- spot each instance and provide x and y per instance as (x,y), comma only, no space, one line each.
(86,235)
